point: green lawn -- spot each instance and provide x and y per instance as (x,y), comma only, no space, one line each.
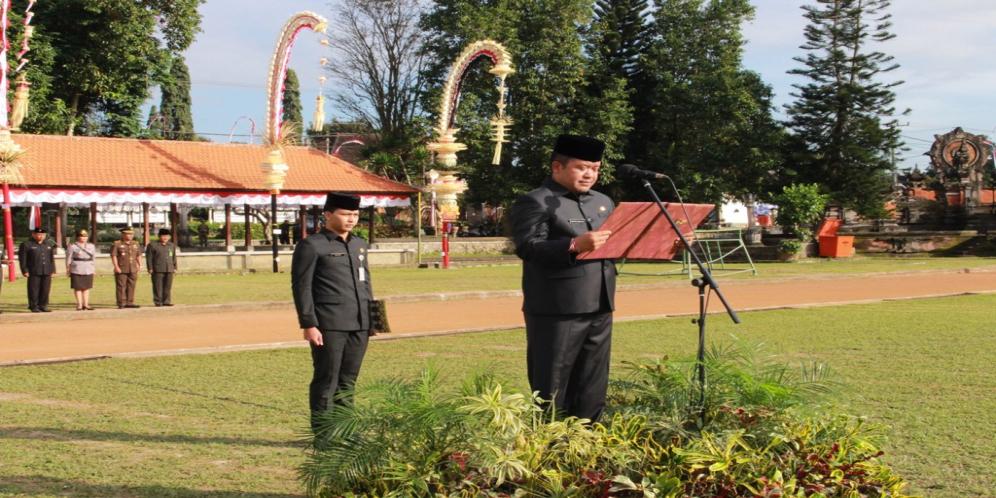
(264,286)
(227,425)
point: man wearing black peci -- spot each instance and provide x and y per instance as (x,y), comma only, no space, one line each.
(330,279)
(568,303)
(37,260)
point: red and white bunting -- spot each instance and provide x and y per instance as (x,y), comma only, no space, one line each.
(31,196)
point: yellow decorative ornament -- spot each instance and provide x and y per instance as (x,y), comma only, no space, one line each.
(19,110)
(445,184)
(275,166)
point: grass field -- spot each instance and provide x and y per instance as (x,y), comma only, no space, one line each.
(227,425)
(225,288)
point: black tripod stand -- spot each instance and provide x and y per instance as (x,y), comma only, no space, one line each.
(705,281)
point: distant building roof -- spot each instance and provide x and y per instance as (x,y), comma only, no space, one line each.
(123,170)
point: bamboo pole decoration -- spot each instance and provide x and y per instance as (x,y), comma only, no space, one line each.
(19,110)
(446,145)
(275,166)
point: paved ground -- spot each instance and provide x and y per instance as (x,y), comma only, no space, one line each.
(189,329)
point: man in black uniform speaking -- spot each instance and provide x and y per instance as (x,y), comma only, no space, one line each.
(568,303)
(330,280)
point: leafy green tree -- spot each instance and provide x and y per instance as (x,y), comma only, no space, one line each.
(699,116)
(800,206)
(92,63)
(844,118)
(548,92)
(178,121)
(291,103)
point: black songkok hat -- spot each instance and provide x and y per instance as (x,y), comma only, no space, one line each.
(38,230)
(579,147)
(165,231)
(335,200)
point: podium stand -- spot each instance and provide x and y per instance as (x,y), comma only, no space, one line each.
(639,231)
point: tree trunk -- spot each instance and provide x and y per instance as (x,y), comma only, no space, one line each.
(73,111)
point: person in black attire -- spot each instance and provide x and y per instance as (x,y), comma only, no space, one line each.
(37,260)
(285,232)
(567,303)
(160,257)
(330,280)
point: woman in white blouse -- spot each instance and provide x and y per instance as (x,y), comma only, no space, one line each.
(80,259)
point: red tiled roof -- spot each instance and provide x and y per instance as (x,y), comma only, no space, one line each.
(90,162)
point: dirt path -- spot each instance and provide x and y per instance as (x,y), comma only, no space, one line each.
(197,329)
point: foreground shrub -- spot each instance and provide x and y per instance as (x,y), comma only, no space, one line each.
(754,430)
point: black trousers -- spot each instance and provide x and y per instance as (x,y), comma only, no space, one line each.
(38,290)
(162,288)
(337,365)
(568,361)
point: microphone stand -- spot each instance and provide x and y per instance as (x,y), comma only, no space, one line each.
(702,283)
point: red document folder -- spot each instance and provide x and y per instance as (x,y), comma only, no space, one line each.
(641,232)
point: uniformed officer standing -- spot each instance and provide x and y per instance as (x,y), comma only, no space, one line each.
(37,259)
(568,303)
(160,257)
(126,255)
(330,280)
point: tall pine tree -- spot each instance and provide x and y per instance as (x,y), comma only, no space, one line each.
(844,118)
(292,100)
(178,122)
(620,34)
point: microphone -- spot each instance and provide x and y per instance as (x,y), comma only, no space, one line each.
(631,171)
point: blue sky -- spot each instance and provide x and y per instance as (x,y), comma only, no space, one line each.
(945,50)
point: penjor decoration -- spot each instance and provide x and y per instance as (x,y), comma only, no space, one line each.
(275,166)
(11,153)
(446,185)
(19,110)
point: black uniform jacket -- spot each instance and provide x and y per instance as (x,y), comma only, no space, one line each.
(36,259)
(330,280)
(161,258)
(554,282)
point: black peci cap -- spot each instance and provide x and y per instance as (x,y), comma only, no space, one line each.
(335,200)
(580,147)
(165,231)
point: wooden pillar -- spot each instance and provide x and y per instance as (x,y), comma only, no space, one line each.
(373,215)
(93,222)
(145,223)
(58,225)
(174,223)
(248,229)
(228,227)
(302,221)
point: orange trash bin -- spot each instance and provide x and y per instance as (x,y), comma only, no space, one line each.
(831,244)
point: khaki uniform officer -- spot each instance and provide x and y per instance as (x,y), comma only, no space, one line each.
(126,254)
(330,280)
(160,257)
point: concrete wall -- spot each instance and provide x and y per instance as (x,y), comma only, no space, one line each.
(209,262)
(910,242)
(468,245)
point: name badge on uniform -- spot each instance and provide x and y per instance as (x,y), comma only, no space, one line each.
(363,271)
(577,221)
